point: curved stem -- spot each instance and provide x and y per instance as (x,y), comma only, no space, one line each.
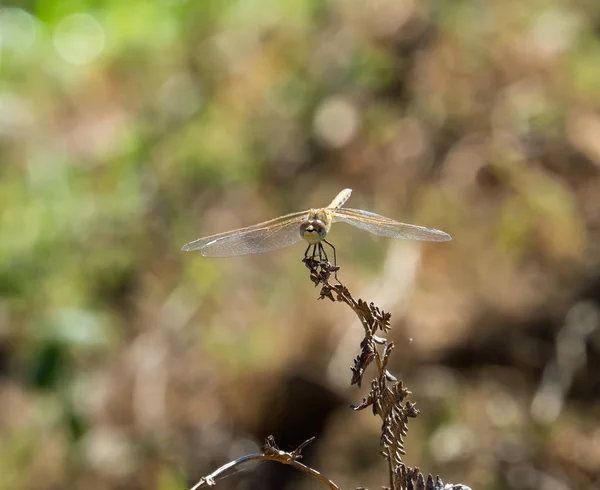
(283,458)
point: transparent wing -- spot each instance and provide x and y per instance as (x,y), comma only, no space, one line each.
(263,237)
(380,225)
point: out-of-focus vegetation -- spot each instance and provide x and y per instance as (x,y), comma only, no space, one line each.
(128,128)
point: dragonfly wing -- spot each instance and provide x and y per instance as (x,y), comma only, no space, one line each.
(380,225)
(263,237)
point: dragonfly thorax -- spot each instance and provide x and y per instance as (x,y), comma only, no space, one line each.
(313,231)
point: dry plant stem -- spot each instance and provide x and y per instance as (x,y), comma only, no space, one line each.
(270,453)
(387,396)
(387,393)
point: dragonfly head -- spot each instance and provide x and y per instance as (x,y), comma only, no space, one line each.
(313,231)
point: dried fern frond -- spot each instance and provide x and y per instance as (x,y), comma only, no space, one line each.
(387,397)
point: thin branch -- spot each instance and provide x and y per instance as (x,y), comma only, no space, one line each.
(270,453)
(385,400)
(387,396)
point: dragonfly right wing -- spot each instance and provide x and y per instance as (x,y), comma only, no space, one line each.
(263,237)
(380,225)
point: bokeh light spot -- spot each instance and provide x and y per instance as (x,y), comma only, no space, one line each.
(18,29)
(79,39)
(336,122)
(179,96)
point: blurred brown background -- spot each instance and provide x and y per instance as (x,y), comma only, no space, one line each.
(130,128)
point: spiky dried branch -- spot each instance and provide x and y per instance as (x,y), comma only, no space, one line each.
(387,396)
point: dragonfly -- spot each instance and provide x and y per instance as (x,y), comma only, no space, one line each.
(312,226)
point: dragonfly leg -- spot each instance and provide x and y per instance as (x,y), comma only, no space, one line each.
(308,254)
(334,255)
(311,253)
(322,253)
(335,267)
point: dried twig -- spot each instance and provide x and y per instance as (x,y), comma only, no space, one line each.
(387,396)
(270,453)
